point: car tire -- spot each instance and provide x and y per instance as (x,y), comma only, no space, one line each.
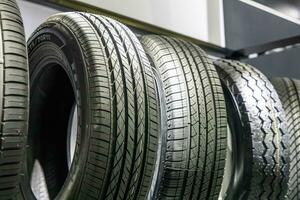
(14,96)
(259,133)
(289,94)
(100,65)
(194,126)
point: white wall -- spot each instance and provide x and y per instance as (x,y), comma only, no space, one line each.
(33,15)
(200,19)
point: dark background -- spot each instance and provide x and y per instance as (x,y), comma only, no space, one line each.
(247,26)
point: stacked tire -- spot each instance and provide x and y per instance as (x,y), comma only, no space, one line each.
(193,152)
(289,93)
(13,98)
(113,116)
(96,64)
(260,140)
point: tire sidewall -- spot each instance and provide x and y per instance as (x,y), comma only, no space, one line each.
(241,144)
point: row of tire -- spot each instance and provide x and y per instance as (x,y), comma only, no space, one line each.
(113,116)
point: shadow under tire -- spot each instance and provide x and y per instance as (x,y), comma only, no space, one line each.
(14,96)
(99,65)
(259,132)
(194,126)
(289,94)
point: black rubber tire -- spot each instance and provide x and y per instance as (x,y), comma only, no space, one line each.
(13,97)
(289,94)
(194,140)
(259,132)
(118,122)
